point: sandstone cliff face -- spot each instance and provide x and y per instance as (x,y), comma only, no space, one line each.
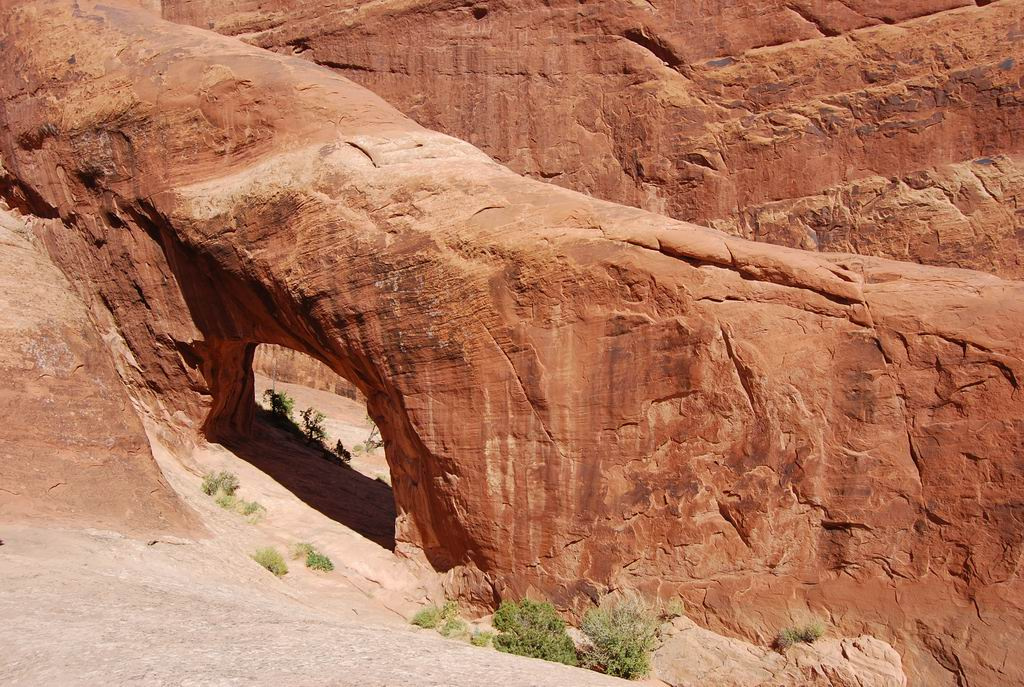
(71,447)
(881,127)
(575,396)
(287,365)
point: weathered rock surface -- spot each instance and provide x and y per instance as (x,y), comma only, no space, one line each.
(71,446)
(881,127)
(690,656)
(576,396)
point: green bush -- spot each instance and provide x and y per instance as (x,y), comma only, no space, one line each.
(622,635)
(313,426)
(270,559)
(428,617)
(251,509)
(531,628)
(805,634)
(281,404)
(431,616)
(481,638)
(453,627)
(317,561)
(225,482)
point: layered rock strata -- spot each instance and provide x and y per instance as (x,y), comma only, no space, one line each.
(881,127)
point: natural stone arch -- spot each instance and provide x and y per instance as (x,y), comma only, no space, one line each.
(577,396)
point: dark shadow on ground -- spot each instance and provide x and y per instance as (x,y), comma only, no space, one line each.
(364,505)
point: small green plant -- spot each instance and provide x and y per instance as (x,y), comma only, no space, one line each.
(317,561)
(431,616)
(270,559)
(314,559)
(531,628)
(428,617)
(226,501)
(481,638)
(281,404)
(223,481)
(453,627)
(622,635)
(313,426)
(800,634)
(251,509)
(357,449)
(302,549)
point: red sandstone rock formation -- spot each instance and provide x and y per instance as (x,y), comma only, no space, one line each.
(881,127)
(576,396)
(71,447)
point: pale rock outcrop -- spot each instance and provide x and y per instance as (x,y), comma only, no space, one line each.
(575,396)
(690,656)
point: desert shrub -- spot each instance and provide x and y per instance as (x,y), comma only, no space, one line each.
(805,634)
(313,426)
(226,501)
(453,627)
(531,628)
(222,481)
(622,635)
(281,405)
(251,509)
(230,501)
(481,638)
(428,617)
(270,559)
(302,549)
(317,561)
(357,449)
(432,616)
(342,452)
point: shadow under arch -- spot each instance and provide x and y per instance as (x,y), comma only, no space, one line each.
(343,494)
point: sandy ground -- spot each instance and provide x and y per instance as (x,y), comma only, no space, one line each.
(89,607)
(95,608)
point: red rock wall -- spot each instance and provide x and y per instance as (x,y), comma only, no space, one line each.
(880,127)
(291,366)
(72,449)
(575,396)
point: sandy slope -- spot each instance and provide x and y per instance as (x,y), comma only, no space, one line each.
(92,608)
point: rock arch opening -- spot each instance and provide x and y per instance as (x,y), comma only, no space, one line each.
(356,493)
